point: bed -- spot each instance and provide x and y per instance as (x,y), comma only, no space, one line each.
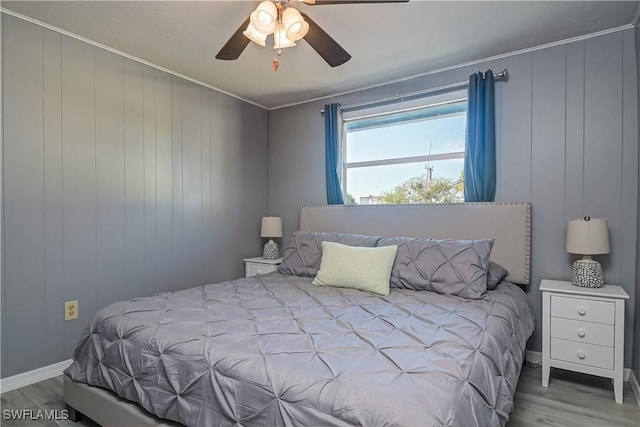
(278,350)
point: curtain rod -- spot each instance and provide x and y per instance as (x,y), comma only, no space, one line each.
(501,76)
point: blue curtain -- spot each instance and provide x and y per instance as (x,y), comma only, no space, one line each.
(332,124)
(480,149)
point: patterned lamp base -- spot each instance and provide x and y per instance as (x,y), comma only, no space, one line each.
(270,250)
(587,273)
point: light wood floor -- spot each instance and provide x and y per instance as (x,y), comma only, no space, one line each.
(572,400)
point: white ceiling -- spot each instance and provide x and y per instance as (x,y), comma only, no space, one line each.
(386,41)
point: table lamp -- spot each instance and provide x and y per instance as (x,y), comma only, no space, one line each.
(271,227)
(587,236)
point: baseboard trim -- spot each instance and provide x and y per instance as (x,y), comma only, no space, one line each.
(34,376)
(635,386)
(535,359)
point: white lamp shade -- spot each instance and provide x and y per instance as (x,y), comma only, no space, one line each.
(588,236)
(264,18)
(254,35)
(280,39)
(295,26)
(271,226)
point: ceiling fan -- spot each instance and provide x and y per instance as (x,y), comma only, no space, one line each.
(288,25)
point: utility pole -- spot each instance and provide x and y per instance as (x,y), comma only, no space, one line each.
(428,166)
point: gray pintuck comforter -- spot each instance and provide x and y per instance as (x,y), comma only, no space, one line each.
(277,350)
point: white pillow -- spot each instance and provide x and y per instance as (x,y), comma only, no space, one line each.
(366,269)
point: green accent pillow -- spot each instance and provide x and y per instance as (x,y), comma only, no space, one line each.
(366,269)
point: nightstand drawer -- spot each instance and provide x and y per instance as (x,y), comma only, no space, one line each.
(253,269)
(579,331)
(582,354)
(583,309)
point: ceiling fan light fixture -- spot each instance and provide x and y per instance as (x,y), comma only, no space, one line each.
(295,25)
(288,25)
(255,36)
(280,39)
(265,17)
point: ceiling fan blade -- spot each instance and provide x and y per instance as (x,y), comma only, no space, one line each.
(235,45)
(324,2)
(322,43)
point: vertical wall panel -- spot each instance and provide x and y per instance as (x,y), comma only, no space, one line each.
(548,159)
(629,185)
(178,219)
(603,141)
(574,129)
(548,168)
(134,179)
(241,180)
(23,203)
(191,182)
(53,208)
(217,188)
(164,184)
(514,162)
(110,177)
(636,324)
(205,254)
(292,163)
(79,180)
(150,201)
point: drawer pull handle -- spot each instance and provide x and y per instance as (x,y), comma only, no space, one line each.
(581,355)
(582,311)
(581,333)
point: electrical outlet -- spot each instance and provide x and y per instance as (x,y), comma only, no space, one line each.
(71,310)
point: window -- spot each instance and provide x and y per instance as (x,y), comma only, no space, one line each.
(411,154)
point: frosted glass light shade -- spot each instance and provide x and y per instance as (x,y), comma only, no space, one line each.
(588,236)
(295,26)
(271,226)
(255,36)
(264,17)
(280,39)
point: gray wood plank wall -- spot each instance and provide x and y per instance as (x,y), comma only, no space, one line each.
(567,130)
(119,181)
(636,327)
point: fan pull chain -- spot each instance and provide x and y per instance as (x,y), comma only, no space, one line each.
(275,63)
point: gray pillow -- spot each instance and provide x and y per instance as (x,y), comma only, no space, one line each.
(453,267)
(495,274)
(302,256)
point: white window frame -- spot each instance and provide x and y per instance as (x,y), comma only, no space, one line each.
(425,102)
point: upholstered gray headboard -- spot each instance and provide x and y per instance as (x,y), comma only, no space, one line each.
(508,223)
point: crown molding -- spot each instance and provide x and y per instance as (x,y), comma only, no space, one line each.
(337,94)
(126,55)
(466,64)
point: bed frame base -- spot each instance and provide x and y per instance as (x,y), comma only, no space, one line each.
(105,408)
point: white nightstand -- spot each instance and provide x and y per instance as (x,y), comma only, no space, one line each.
(583,330)
(258,265)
